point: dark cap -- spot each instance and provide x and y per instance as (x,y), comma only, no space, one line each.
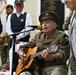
(49,15)
(9,6)
(18,1)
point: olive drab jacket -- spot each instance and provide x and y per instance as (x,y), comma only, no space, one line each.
(58,39)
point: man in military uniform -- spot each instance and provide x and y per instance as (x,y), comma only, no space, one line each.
(71,4)
(18,22)
(54,46)
(3,47)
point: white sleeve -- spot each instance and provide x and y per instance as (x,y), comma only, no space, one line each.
(28,21)
(8,26)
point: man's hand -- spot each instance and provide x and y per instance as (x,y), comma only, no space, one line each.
(17,41)
(22,56)
(46,55)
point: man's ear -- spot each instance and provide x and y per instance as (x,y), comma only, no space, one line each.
(55,26)
(23,5)
(14,6)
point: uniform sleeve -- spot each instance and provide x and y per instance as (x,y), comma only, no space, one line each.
(30,44)
(28,21)
(64,50)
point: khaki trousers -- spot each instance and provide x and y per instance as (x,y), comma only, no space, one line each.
(72,67)
(71,73)
(25,73)
(54,70)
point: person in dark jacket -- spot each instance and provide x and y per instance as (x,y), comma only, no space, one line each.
(18,22)
(0,26)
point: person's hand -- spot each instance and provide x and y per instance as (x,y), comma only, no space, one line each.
(44,53)
(22,56)
(47,56)
(17,41)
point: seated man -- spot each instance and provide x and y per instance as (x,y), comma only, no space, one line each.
(47,40)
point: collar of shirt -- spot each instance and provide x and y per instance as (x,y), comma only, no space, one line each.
(73,19)
(18,14)
(75,14)
(53,34)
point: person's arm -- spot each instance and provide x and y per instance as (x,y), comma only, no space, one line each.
(64,50)
(30,44)
(23,48)
(62,55)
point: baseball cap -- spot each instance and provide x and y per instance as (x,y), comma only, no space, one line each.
(18,2)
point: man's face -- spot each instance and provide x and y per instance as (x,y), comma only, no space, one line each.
(9,11)
(71,4)
(19,7)
(48,26)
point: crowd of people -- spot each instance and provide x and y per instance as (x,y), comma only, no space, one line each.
(49,50)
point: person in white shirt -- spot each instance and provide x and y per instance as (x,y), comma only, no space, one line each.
(18,22)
